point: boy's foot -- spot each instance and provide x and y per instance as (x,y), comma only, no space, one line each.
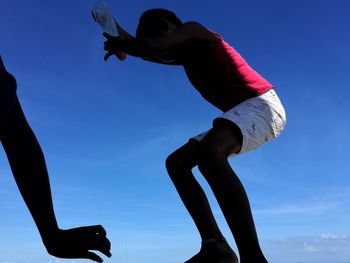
(214,252)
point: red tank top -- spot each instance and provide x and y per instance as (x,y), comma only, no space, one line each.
(224,70)
(245,75)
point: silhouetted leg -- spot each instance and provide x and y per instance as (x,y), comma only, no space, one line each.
(224,139)
(179,165)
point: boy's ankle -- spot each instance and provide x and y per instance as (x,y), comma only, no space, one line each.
(213,240)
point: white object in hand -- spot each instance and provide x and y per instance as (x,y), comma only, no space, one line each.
(102,15)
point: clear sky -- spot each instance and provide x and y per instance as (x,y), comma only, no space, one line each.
(106,128)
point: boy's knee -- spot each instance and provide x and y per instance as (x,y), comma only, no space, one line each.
(175,163)
(210,158)
(171,163)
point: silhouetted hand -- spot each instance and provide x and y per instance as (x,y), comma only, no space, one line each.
(110,47)
(77,243)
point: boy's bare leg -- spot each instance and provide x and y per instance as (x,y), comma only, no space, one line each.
(179,165)
(224,139)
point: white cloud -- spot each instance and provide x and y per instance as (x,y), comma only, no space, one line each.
(323,248)
(334,237)
(311,208)
(318,205)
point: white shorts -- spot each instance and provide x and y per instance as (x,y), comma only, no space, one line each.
(261,119)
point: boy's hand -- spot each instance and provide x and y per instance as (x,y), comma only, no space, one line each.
(77,243)
(109,46)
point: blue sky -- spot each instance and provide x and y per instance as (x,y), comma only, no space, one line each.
(106,128)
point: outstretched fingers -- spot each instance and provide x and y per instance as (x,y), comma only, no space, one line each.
(109,48)
(91,256)
(108,36)
(110,45)
(95,239)
(101,244)
(108,55)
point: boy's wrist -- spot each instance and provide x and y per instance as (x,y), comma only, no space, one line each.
(48,234)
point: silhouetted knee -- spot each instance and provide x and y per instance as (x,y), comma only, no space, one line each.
(177,166)
(211,159)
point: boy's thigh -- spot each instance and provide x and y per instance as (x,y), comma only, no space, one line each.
(186,155)
(225,137)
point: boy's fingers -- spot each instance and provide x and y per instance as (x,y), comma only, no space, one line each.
(105,246)
(108,36)
(92,256)
(99,243)
(106,57)
(105,251)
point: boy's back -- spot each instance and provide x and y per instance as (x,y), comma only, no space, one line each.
(221,75)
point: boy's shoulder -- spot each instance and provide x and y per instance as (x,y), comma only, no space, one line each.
(197,31)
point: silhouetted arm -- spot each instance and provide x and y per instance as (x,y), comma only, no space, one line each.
(29,169)
(157,46)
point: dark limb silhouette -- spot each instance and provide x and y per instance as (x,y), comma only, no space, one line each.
(29,169)
(179,165)
(210,155)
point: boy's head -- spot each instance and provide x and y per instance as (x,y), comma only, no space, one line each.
(155,22)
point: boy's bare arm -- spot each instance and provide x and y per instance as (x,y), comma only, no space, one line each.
(155,47)
(29,169)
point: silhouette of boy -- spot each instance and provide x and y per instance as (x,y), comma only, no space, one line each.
(252,115)
(29,169)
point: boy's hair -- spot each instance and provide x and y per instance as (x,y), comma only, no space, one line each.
(151,22)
